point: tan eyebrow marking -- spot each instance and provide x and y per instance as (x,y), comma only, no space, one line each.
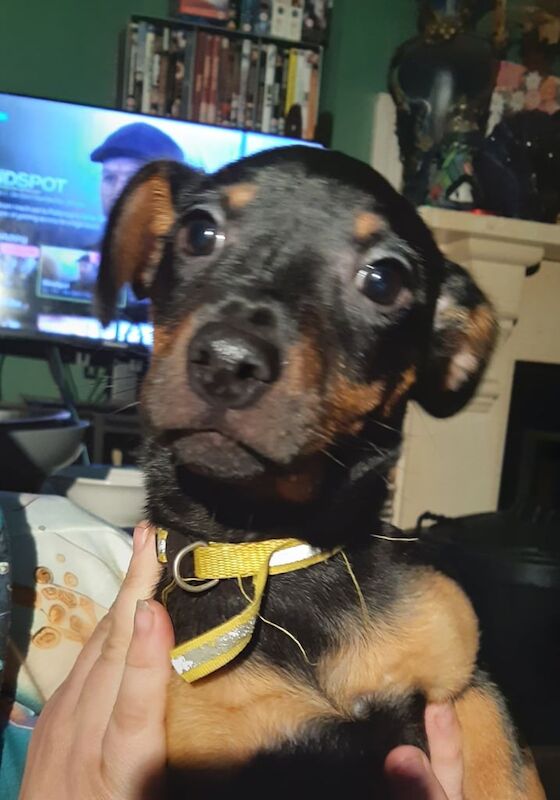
(366,224)
(239,195)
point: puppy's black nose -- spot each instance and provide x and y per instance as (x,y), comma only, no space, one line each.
(229,367)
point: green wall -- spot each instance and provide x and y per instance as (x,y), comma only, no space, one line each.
(65,49)
(68,50)
(364,36)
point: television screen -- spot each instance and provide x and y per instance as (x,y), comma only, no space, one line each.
(255,142)
(62,166)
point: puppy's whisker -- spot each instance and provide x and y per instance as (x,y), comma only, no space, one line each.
(126,407)
(377,448)
(395,538)
(382,476)
(321,435)
(371,448)
(333,458)
(387,427)
(119,392)
(120,387)
(122,379)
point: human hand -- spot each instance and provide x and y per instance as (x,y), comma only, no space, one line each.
(412,777)
(101,735)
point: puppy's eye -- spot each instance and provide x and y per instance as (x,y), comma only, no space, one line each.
(200,234)
(382,281)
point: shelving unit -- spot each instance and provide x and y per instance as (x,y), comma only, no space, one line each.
(181,70)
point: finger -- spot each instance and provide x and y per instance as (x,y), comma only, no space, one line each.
(139,584)
(70,689)
(144,570)
(99,692)
(446,747)
(410,776)
(134,746)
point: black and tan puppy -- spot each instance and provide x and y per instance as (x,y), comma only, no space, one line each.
(298,303)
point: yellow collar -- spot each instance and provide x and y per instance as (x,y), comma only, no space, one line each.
(213,562)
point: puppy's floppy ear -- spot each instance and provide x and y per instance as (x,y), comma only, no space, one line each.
(463,337)
(134,237)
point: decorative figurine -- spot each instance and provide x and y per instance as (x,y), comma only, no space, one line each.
(442,82)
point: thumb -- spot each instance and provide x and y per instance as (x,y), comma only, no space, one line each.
(410,775)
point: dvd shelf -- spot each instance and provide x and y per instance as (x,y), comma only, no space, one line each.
(297,20)
(217,76)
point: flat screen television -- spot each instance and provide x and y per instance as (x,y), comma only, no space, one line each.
(61,167)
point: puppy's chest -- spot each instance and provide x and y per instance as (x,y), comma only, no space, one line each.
(426,645)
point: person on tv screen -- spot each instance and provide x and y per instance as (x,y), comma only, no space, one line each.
(121,155)
(86,275)
(126,150)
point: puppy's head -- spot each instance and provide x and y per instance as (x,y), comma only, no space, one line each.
(298,302)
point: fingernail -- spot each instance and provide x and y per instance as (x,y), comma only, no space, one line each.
(139,538)
(143,617)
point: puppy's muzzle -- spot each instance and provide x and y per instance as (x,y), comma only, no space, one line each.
(229,367)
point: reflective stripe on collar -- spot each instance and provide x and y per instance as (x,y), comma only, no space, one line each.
(212,650)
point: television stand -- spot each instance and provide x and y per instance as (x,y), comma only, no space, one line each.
(109,405)
(114,435)
(57,371)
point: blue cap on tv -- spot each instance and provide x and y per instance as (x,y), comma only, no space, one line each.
(138,140)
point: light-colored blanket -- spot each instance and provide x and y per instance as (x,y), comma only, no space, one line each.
(66,568)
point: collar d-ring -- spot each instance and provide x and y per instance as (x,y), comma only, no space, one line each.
(184,582)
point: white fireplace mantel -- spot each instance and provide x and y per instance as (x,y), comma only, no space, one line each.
(497,251)
(453,466)
(455,227)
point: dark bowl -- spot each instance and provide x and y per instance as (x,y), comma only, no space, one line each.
(34,444)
